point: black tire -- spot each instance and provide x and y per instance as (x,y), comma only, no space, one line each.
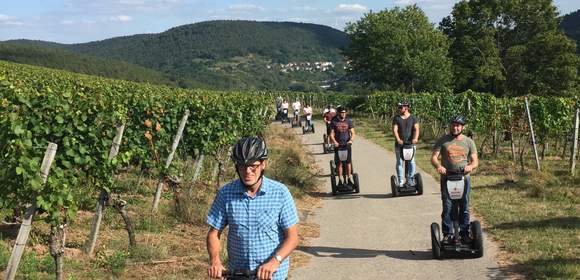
(419,183)
(393,185)
(356,185)
(303,130)
(333,178)
(477,235)
(313,129)
(436,241)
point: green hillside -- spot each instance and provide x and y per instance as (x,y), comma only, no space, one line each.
(231,54)
(41,55)
(571,26)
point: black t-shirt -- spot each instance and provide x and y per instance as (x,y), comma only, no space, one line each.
(341,129)
(405,127)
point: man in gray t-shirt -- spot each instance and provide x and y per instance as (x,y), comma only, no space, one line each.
(458,152)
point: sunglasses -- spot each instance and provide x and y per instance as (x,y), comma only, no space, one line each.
(252,167)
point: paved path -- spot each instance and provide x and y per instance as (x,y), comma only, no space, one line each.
(372,235)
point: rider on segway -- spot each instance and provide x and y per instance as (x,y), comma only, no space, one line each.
(341,135)
(328,114)
(458,154)
(284,107)
(308,116)
(278,108)
(406,132)
(296,107)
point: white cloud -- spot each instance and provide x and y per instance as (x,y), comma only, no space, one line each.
(245,8)
(350,8)
(305,9)
(67,22)
(120,18)
(9,20)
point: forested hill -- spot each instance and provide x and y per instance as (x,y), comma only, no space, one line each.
(571,26)
(282,41)
(41,54)
(231,54)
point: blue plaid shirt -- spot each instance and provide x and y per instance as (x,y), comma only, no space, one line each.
(256,225)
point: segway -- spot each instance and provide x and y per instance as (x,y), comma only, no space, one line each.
(344,188)
(296,122)
(473,247)
(327,146)
(407,153)
(278,114)
(240,274)
(308,125)
(284,116)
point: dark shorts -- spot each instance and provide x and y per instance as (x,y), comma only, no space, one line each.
(349,157)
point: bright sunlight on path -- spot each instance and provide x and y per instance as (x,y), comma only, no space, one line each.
(372,235)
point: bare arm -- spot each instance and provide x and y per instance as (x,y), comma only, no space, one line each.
(435,162)
(396,134)
(213,249)
(415,139)
(332,137)
(473,163)
(352,134)
(290,242)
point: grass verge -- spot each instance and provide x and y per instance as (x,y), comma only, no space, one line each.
(533,215)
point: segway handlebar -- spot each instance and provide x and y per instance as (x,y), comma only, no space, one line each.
(239,274)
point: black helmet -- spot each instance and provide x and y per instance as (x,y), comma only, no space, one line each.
(403,103)
(340,109)
(458,119)
(248,150)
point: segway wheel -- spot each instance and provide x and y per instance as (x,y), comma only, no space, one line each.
(419,184)
(312,129)
(333,178)
(477,238)
(394,187)
(356,185)
(303,130)
(435,241)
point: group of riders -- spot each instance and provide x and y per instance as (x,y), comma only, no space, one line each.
(261,214)
(453,152)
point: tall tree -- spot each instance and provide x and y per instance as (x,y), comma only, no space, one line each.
(510,47)
(398,49)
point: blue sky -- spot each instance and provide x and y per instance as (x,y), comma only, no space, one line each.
(76,21)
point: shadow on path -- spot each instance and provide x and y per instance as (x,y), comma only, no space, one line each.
(353,253)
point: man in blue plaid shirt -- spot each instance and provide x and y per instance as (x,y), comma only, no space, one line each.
(261,216)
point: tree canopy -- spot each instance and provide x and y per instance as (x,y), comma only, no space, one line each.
(510,47)
(398,49)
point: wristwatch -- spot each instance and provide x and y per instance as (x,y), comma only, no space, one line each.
(278,258)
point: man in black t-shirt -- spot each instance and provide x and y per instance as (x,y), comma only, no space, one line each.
(342,134)
(406,131)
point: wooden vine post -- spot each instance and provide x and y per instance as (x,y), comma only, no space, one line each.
(104,196)
(198,167)
(532,133)
(513,145)
(169,159)
(575,142)
(24,232)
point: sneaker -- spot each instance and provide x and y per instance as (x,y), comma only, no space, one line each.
(465,238)
(340,183)
(456,240)
(401,184)
(350,182)
(447,238)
